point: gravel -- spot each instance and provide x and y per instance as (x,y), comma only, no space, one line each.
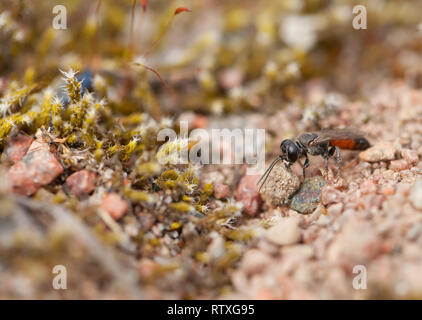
(285,232)
(37,168)
(81,182)
(382,151)
(415,196)
(247,193)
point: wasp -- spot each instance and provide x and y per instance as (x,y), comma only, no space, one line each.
(324,143)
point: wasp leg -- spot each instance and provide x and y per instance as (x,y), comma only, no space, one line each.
(305,165)
(326,165)
(336,150)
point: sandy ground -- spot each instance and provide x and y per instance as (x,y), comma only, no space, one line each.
(369,219)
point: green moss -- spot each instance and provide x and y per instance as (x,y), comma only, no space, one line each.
(182,207)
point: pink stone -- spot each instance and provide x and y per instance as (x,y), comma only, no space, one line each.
(37,168)
(411,156)
(358,243)
(335,210)
(382,151)
(114,205)
(194,120)
(255,261)
(81,182)
(329,195)
(146,268)
(17,147)
(399,165)
(231,78)
(146,221)
(221,191)
(200,121)
(368,186)
(247,193)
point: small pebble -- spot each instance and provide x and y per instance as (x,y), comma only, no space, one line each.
(368,186)
(254,261)
(221,191)
(37,168)
(329,195)
(335,210)
(358,243)
(414,232)
(415,196)
(411,156)
(399,165)
(146,268)
(146,221)
(194,120)
(387,190)
(17,147)
(281,184)
(285,232)
(247,193)
(230,78)
(114,205)
(383,151)
(308,197)
(81,182)
(200,121)
(217,248)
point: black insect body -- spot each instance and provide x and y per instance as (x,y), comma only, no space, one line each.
(325,143)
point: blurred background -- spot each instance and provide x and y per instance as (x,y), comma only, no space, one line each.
(224,57)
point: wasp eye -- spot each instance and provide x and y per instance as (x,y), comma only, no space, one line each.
(289,150)
(292,153)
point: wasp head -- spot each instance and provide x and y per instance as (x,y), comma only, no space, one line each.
(289,151)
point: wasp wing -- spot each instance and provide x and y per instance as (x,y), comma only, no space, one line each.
(336,135)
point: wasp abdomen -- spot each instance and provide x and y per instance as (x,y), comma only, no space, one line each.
(351,144)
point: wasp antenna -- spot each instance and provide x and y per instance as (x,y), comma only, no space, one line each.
(267,173)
